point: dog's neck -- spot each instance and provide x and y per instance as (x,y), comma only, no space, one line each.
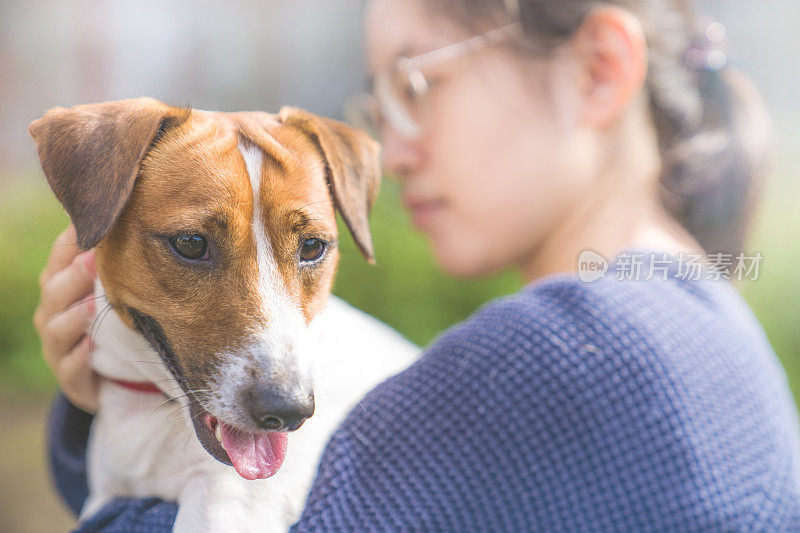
(120,353)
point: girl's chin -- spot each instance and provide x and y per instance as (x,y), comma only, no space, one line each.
(461,261)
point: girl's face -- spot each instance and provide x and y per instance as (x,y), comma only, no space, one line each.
(502,157)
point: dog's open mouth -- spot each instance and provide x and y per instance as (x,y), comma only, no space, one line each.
(254,455)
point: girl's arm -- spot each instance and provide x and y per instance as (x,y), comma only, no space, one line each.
(68,433)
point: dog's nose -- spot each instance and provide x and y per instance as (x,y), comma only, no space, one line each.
(276,411)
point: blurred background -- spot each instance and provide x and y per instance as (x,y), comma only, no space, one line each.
(260,55)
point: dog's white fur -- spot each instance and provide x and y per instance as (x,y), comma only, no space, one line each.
(141,445)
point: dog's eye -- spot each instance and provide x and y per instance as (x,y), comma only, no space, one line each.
(312,249)
(190,246)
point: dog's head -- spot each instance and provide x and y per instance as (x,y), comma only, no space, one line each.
(217,240)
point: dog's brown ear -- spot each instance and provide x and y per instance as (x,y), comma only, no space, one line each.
(353,166)
(91,154)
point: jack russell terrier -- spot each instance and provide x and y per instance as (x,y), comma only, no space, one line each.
(216,244)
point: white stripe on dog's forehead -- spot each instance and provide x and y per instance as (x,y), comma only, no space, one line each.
(285,325)
(268,274)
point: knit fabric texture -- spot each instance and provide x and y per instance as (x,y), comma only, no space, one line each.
(607,406)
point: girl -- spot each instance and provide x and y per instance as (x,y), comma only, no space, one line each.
(527,135)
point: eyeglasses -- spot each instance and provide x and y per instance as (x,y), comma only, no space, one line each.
(399,96)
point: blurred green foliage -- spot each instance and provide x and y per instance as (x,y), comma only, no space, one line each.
(30,218)
(775,296)
(405,289)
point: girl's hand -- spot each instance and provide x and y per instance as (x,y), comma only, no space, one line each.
(66,308)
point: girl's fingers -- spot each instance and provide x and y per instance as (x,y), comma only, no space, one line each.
(62,332)
(66,288)
(62,253)
(79,382)
(62,319)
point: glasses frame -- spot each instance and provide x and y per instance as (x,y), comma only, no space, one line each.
(384,103)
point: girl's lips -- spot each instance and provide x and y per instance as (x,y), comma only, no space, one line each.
(423,211)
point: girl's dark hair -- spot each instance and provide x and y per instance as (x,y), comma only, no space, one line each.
(711,126)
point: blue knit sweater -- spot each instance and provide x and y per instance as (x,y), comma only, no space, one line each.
(616,405)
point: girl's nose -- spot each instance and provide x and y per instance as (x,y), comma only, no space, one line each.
(401,156)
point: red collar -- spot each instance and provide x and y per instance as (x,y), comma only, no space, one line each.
(137,386)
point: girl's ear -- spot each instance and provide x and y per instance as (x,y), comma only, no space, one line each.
(612,51)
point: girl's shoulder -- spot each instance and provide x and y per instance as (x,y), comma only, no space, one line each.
(562,315)
(655,317)
(691,345)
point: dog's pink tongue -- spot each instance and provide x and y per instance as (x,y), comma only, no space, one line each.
(254,455)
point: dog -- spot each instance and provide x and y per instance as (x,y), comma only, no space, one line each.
(216,246)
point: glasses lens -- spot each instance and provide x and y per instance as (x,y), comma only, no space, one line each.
(399,100)
(363,112)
